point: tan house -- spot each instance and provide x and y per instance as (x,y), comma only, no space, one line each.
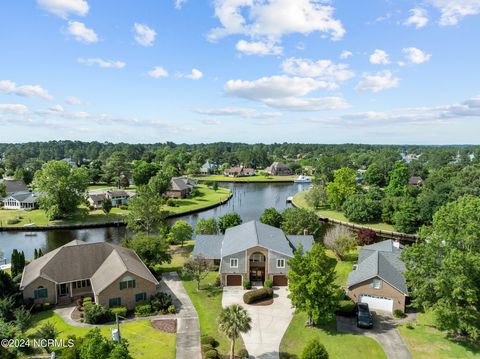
(180,187)
(378,277)
(253,251)
(111,274)
(239,172)
(279,169)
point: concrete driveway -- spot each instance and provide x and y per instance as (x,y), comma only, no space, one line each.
(269,322)
(384,332)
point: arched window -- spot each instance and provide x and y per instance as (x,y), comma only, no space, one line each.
(127,282)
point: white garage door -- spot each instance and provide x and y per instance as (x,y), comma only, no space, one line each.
(377,303)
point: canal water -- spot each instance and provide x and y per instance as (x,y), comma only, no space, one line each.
(249,201)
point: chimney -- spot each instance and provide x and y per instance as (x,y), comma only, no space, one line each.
(305,232)
(396,243)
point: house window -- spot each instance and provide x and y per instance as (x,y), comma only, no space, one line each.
(233,262)
(127,282)
(140,297)
(377,283)
(280,263)
(114,302)
(40,292)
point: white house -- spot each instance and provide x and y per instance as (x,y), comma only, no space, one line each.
(21,200)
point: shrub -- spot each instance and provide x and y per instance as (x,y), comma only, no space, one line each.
(13,221)
(314,350)
(121,310)
(398,313)
(206,348)
(161,301)
(124,207)
(46,306)
(247,284)
(91,208)
(87,299)
(346,308)
(211,354)
(171,202)
(268,283)
(143,310)
(366,236)
(243,354)
(171,309)
(218,281)
(257,295)
(208,340)
(97,314)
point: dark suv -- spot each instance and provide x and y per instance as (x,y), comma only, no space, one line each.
(364,317)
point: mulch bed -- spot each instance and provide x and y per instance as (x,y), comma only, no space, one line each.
(263,302)
(165,325)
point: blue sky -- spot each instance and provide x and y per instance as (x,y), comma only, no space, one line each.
(267,71)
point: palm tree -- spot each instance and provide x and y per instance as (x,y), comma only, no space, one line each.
(234,320)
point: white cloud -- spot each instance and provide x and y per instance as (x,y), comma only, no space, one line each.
(193,75)
(82,33)
(258,48)
(14,108)
(58,110)
(379,57)
(452,11)
(64,8)
(11,87)
(158,72)
(308,103)
(244,112)
(416,56)
(71,100)
(418,18)
(144,35)
(321,69)
(179,4)
(102,63)
(345,54)
(377,82)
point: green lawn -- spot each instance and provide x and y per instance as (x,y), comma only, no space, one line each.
(144,340)
(206,197)
(208,303)
(107,186)
(343,267)
(179,257)
(257,178)
(338,345)
(425,341)
(300,201)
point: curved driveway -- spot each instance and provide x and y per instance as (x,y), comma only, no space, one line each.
(269,322)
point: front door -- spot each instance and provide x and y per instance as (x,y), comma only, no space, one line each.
(257,275)
(63,289)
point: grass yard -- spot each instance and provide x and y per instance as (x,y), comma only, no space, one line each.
(207,197)
(208,303)
(300,201)
(144,340)
(107,186)
(343,267)
(338,345)
(179,257)
(251,179)
(425,341)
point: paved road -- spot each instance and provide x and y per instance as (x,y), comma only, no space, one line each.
(188,327)
(384,332)
(269,322)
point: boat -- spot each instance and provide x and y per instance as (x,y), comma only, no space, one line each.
(302,179)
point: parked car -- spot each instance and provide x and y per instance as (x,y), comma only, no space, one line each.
(364,317)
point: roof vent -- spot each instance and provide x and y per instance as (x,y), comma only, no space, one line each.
(305,232)
(396,243)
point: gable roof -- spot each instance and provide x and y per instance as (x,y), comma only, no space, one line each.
(380,260)
(208,246)
(23,197)
(14,185)
(181,183)
(101,262)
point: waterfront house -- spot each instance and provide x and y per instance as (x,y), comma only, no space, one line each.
(96,199)
(13,185)
(239,172)
(21,200)
(253,251)
(208,168)
(180,187)
(117,196)
(279,169)
(378,277)
(111,274)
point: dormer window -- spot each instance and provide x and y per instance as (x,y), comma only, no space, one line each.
(127,282)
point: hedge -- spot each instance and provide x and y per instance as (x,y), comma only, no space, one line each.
(211,354)
(121,310)
(97,314)
(257,295)
(143,310)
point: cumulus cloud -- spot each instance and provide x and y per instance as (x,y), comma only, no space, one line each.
(11,87)
(102,63)
(144,35)
(179,4)
(157,72)
(345,54)
(379,57)
(452,11)
(418,18)
(258,48)
(321,69)
(416,56)
(82,33)
(376,82)
(193,75)
(64,8)
(14,108)
(244,112)
(71,100)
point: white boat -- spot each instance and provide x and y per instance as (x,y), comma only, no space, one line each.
(302,179)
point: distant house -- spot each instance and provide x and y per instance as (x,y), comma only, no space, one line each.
(70,161)
(378,277)
(21,200)
(208,168)
(96,199)
(180,187)
(14,185)
(117,196)
(279,169)
(239,172)
(309,170)
(111,274)
(415,181)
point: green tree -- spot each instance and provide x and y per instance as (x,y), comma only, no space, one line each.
(95,345)
(342,187)
(206,226)
(272,217)
(142,171)
(160,183)
(314,350)
(3,190)
(300,220)
(233,321)
(398,179)
(145,211)
(229,220)
(7,309)
(17,263)
(107,206)
(374,175)
(443,267)
(340,241)
(406,218)
(215,186)
(151,249)
(116,166)
(7,287)
(361,208)
(311,282)
(316,197)
(23,318)
(180,232)
(197,268)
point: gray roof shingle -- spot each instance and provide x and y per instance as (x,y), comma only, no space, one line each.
(208,246)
